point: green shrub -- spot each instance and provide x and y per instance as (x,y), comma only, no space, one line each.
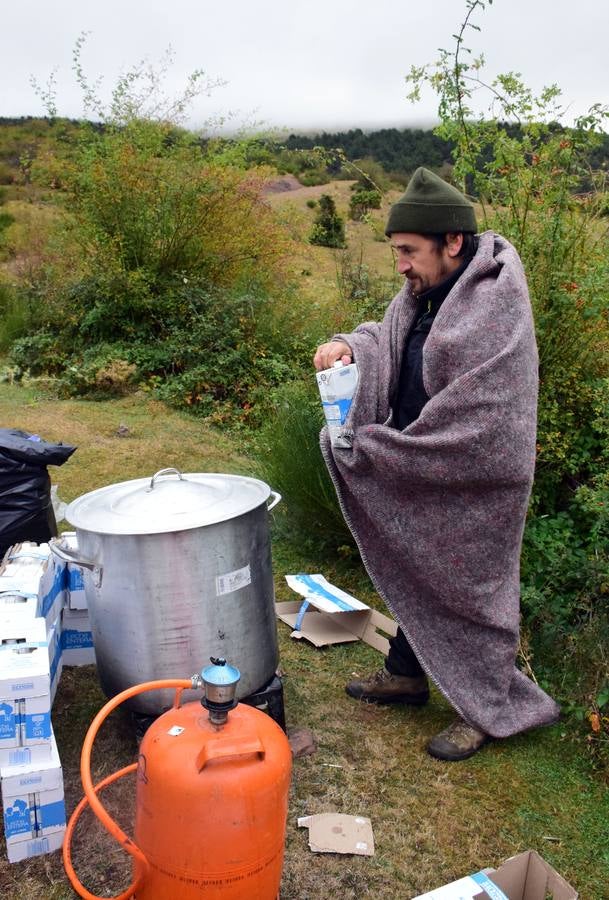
(14,316)
(41,353)
(311,203)
(362,201)
(100,373)
(328,229)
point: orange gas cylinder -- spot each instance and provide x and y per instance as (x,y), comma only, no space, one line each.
(211,799)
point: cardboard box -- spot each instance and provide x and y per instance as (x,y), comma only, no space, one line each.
(336,617)
(75,584)
(20,575)
(23,756)
(14,601)
(76,639)
(526,876)
(33,807)
(32,570)
(25,686)
(24,563)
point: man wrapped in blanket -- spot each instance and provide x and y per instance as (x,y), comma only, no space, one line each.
(434,467)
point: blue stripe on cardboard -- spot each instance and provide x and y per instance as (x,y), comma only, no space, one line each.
(24,645)
(494,892)
(58,585)
(76,581)
(50,814)
(303,608)
(316,588)
(56,658)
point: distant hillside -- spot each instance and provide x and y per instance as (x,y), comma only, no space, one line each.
(398,151)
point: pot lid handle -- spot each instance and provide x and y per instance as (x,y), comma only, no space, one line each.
(170,471)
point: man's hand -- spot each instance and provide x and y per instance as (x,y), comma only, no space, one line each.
(328,354)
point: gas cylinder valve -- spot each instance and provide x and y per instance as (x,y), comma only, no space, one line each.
(219,684)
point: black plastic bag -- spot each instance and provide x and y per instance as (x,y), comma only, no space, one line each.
(26,511)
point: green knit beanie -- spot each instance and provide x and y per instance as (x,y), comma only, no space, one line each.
(430,206)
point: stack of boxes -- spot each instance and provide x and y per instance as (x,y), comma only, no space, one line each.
(37,628)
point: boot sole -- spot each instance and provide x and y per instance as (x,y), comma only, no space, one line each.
(408,699)
(447,756)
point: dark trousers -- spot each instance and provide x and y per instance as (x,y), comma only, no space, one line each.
(401,659)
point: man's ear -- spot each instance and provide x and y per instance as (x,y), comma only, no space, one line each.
(454,242)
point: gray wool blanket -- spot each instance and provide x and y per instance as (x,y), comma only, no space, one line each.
(438,509)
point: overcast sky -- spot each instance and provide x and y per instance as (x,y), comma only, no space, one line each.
(313,64)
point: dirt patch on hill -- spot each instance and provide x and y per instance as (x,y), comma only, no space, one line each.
(281,184)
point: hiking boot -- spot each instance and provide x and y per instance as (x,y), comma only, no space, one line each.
(383,687)
(458,741)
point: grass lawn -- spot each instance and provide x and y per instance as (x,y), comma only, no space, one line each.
(433,821)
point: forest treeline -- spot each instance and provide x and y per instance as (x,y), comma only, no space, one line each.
(401,151)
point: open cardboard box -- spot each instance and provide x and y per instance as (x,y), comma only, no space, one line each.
(328,615)
(526,876)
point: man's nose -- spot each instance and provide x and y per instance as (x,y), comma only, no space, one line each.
(404,266)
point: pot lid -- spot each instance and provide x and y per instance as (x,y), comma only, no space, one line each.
(169,501)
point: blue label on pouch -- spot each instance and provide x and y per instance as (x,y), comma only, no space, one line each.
(337,412)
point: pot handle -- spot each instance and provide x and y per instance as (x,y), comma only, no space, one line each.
(71,556)
(170,471)
(276,498)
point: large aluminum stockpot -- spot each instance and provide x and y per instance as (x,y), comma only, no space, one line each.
(177,569)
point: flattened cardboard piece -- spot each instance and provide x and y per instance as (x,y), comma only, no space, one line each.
(333,616)
(523,877)
(337,833)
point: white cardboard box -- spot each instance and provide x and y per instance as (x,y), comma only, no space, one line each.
(14,601)
(24,658)
(526,876)
(33,807)
(25,686)
(76,639)
(24,563)
(335,617)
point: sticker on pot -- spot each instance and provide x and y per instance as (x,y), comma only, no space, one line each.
(233,581)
